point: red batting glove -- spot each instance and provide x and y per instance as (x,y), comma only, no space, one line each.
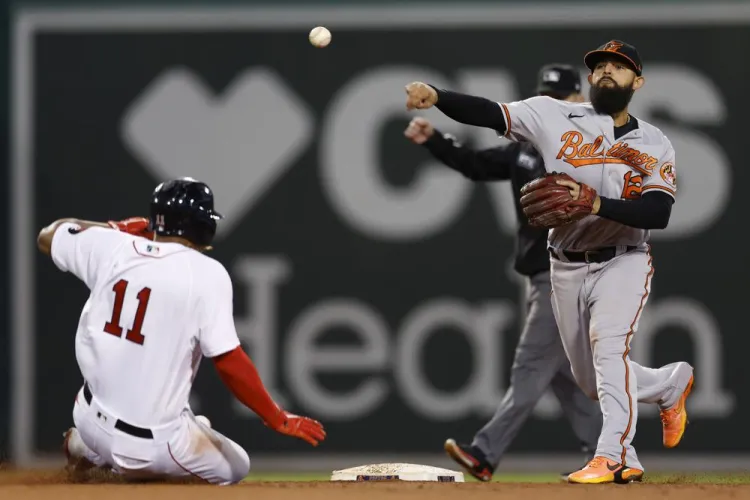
(303,428)
(137,226)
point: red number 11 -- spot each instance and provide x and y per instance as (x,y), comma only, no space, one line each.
(113,326)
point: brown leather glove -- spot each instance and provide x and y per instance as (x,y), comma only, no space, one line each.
(548,204)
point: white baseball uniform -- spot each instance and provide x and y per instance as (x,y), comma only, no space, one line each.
(598,305)
(155,309)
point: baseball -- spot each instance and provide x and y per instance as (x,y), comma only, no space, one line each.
(320,37)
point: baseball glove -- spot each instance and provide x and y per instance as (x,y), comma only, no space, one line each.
(549,205)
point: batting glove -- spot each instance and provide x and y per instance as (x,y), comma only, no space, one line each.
(137,226)
(304,428)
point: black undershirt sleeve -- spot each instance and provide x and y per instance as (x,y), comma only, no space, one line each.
(471,110)
(483,165)
(650,211)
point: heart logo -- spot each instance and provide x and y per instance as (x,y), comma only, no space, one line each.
(239,142)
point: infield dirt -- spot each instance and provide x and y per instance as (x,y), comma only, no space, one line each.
(33,485)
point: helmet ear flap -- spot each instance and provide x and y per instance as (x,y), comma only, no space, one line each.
(201,232)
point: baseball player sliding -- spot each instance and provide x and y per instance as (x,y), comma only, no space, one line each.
(611,178)
(158,304)
(540,362)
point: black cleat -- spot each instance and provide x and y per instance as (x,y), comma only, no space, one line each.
(471,459)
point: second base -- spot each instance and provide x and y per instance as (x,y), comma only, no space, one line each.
(397,472)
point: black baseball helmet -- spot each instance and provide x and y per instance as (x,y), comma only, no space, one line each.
(184,207)
(558,80)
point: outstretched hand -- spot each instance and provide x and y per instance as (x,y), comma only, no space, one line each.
(304,428)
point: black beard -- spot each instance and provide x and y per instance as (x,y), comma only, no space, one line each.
(610,100)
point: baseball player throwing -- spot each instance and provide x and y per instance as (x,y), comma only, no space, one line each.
(611,178)
(158,304)
(540,362)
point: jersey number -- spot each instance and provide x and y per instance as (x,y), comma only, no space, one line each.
(632,186)
(113,326)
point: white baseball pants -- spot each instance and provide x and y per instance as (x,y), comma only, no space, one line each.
(182,448)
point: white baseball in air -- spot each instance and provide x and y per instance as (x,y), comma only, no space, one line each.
(320,36)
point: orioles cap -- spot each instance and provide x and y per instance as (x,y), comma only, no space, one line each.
(620,50)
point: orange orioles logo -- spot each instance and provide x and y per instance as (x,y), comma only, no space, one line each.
(574,152)
(613,46)
(668,174)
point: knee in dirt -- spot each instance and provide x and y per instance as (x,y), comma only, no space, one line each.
(239,468)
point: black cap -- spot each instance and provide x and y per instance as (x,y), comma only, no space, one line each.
(558,79)
(621,50)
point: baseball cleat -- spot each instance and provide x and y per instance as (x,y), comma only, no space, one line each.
(602,470)
(71,437)
(73,448)
(674,419)
(564,476)
(589,457)
(470,458)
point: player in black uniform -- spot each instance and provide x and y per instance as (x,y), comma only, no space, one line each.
(540,361)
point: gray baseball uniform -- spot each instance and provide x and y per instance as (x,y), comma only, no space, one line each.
(540,361)
(597,306)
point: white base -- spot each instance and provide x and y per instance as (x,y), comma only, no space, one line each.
(397,472)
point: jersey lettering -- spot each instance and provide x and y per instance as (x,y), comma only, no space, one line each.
(574,153)
(113,326)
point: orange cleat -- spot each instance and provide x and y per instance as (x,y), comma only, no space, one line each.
(674,419)
(602,470)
